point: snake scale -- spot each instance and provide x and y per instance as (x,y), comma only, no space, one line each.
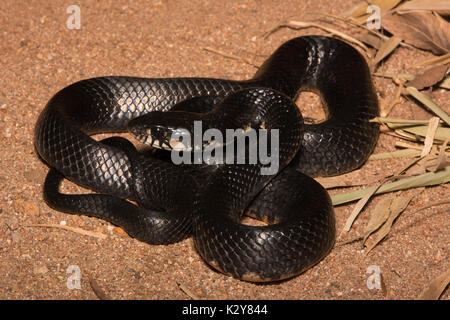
(174,202)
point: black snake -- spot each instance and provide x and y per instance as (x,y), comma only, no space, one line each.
(209,200)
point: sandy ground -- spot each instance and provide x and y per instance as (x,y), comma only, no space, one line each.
(39,55)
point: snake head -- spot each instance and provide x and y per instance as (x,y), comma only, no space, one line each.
(163,130)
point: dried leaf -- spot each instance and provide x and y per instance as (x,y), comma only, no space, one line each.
(371,39)
(386,48)
(429,138)
(436,287)
(424,30)
(397,206)
(440,161)
(440,6)
(357,10)
(400,203)
(429,78)
(401,172)
(378,217)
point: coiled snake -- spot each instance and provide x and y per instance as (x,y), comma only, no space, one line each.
(207,201)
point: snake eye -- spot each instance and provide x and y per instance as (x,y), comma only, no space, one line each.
(159,137)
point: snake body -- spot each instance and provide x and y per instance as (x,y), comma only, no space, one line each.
(168,211)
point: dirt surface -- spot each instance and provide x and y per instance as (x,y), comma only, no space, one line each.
(39,55)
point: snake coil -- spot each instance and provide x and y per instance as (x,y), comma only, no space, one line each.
(175,202)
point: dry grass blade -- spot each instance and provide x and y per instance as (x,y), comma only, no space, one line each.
(348,241)
(386,48)
(411,150)
(276,26)
(304,24)
(385,111)
(73,229)
(345,180)
(406,76)
(424,30)
(359,206)
(334,182)
(429,138)
(360,14)
(407,136)
(230,56)
(187,291)
(430,104)
(422,180)
(405,153)
(417,132)
(445,83)
(401,144)
(444,59)
(397,206)
(432,204)
(399,121)
(363,26)
(436,287)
